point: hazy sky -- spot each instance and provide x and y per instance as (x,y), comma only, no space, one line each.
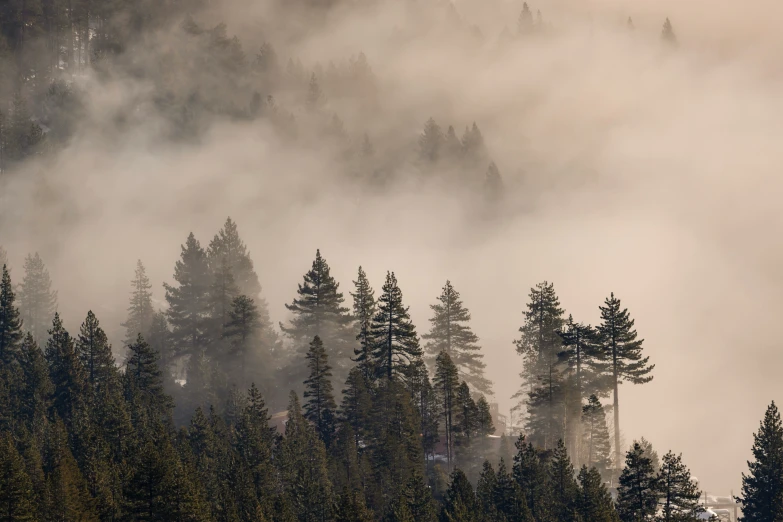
(629,168)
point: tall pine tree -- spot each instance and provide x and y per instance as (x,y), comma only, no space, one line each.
(37,300)
(637,492)
(364,308)
(320,407)
(762,487)
(10,322)
(140,309)
(679,494)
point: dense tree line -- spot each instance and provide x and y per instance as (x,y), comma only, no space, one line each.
(378,427)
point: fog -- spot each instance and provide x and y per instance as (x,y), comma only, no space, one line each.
(629,167)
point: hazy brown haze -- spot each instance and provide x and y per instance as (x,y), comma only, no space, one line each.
(629,168)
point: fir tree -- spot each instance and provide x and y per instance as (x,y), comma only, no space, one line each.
(241,330)
(465,424)
(364,309)
(140,309)
(532,477)
(396,344)
(445,383)
(594,503)
(620,351)
(510,500)
(95,353)
(430,142)
(318,310)
(351,508)
(597,447)
(36,387)
(762,487)
(10,323)
(451,332)
(637,492)
(37,301)
(188,303)
(303,467)
(17,502)
(66,372)
(222,291)
(143,378)
(460,504)
(320,406)
(650,452)
(667,34)
(356,405)
(564,487)
(254,443)
(486,488)
(227,247)
(679,494)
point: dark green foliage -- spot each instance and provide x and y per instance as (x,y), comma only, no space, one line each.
(428,406)
(318,310)
(679,494)
(620,351)
(188,300)
(35,389)
(637,493)
(762,487)
(143,380)
(460,504)
(395,343)
(364,311)
(140,310)
(596,446)
(66,372)
(650,452)
(37,301)
(451,333)
(320,408)
(17,502)
(445,384)
(594,503)
(532,477)
(95,353)
(511,501)
(10,322)
(564,487)
(351,508)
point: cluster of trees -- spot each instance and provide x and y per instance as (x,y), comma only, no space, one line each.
(568,366)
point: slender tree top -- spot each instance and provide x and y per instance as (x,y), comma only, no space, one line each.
(619,344)
(10,321)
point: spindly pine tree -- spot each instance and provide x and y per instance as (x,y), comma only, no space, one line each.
(637,492)
(596,445)
(427,404)
(37,300)
(140,309)
(451,332)
(95,353)
(188,304)
(318,310)
(356,405)
(762,487)
(363,311)
(594,502)
(254,442)
(620,351)
(10,323)
(395,343)
(679,494)
(465,420)
(445,384)
(320,407)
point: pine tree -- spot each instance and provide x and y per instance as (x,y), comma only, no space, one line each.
(430,142)
(597,447)
(395,343)
(254,442)
(650,452)
(474,149)
(351,508)
(679,494)
(510,500)
(241,330)
(10,323)
(36,387)
(364,309)
(318,310)
(637,492)
(303,467)
(525,22)
(532,477)
(445,383)
(355,408)
(564,487)
(222,292)
(66,372)
(486,488)
(227,247)
(144,382)
(621,353)
(428,406)
(140,309)
(451,332)
(95,353)
(762,487)
(667,33)
(460,504)
(37,301)
(188,304)
(320,406)
(160,341)
(17,502)
(465,425)
(594,503)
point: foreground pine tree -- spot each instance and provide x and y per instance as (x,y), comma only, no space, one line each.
(37,300)
(17,502)
(445,384)
(679,494)
(594,502)
(364,308)
(10,322)
(140,309)
(621,353)
(637,493)
(451,332)
(95,352)
(320,408)
(395,343)
(762,487)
